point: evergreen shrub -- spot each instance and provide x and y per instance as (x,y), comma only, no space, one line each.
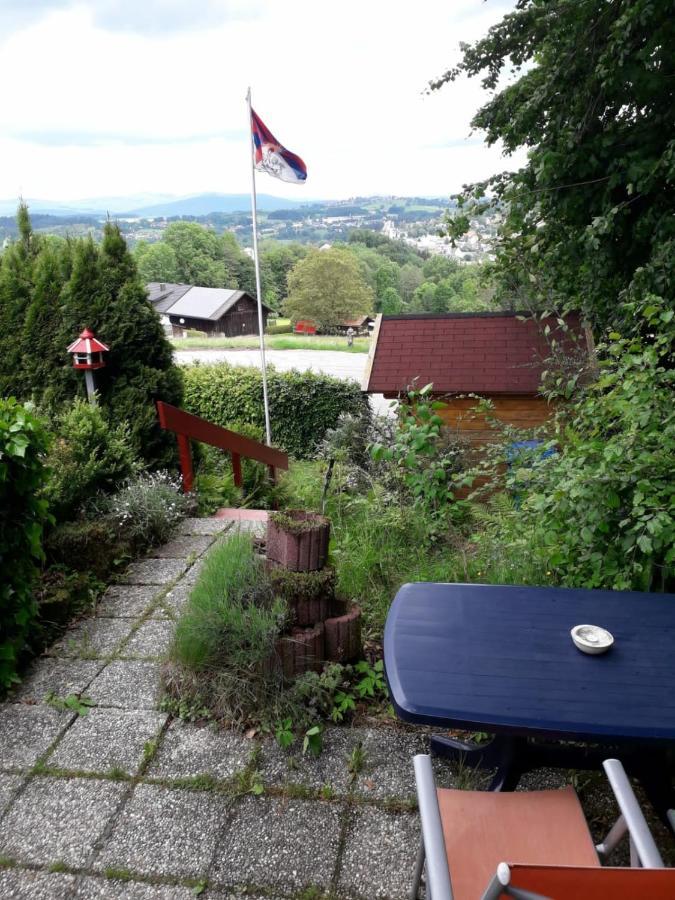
(23,514)
(89,455)
(303,405)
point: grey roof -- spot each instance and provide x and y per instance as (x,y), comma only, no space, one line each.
(208,303)
(163,295)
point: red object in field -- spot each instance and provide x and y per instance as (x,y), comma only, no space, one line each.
(304,326)
(88,351)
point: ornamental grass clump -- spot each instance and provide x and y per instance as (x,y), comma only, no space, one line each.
(223,656)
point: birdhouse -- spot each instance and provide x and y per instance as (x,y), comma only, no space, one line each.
(88,355)
(88,351)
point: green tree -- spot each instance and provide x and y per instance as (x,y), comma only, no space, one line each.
(16,284)
(328,288)
(410,278)
(424,299)
(594,105)
(140,368)
(156,262)
(43,355)
(276,262)
(390,302)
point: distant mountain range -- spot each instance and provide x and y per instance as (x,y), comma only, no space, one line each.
(148,206)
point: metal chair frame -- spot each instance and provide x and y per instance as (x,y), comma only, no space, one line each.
(632,823)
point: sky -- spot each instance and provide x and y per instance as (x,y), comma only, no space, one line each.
(105,98)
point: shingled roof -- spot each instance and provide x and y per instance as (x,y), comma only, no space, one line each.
(484,353)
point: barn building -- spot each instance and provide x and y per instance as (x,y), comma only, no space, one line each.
(215,311)
(499,356)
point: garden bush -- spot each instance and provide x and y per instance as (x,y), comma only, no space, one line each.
(146,510)
(604,505)
(92,545)
(286,328)
(88,455)
(303,405)
(23,514)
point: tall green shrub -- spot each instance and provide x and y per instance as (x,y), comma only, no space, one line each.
(604,505)
(303,405)
(88,455)
(23,512)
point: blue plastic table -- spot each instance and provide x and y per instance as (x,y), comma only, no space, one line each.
(500,659)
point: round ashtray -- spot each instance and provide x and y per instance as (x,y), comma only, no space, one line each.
(591,639)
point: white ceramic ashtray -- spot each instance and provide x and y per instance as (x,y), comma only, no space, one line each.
(591,638)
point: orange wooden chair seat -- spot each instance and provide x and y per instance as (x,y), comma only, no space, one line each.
(482,829)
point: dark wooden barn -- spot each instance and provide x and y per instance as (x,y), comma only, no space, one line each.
(215,311)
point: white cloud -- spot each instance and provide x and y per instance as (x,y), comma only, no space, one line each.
(91,110)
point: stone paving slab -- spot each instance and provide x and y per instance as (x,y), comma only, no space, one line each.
(58,676)
(183,547)
(127,684)
(114,889)
(127,601)
(9,785)
(153,571)
(107,739)
(166,832)
(173,603)
(23,884)
(387,771)
(379,854)
(59,820)
(92,639)
(150,641)
(26,732)
(203,526)
(279,843)
(187,750)
(280,768)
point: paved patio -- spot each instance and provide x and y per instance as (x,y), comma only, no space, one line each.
(127,802)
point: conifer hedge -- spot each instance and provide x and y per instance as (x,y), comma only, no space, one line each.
(303,405)
(23,513)
(50,289)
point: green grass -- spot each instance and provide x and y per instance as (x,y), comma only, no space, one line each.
(223,649)
(274,342)
(378,544)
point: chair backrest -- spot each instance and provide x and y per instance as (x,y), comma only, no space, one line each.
(576,883)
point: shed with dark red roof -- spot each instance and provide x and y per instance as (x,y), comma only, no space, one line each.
(500,356)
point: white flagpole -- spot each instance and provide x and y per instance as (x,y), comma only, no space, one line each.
(261,326)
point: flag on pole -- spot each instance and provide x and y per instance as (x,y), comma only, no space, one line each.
(271,157)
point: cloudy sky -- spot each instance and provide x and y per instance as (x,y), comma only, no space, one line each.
(121,97)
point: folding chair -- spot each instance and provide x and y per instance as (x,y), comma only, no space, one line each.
(468,835)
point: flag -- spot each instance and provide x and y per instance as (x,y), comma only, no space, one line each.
(269,155)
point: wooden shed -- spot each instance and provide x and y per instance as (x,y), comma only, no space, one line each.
(215,311)
(499,356)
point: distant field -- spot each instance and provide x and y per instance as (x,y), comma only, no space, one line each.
(274,342)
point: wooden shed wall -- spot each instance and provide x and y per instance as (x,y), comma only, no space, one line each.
(518,410)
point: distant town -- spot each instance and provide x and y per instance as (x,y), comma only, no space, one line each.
(416,221)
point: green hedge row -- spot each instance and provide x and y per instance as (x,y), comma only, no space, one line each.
(303,405)
(23,444)
(279,329)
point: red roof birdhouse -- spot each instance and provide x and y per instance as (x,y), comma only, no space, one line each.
(88,351)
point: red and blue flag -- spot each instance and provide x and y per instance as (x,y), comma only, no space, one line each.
(272,157)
